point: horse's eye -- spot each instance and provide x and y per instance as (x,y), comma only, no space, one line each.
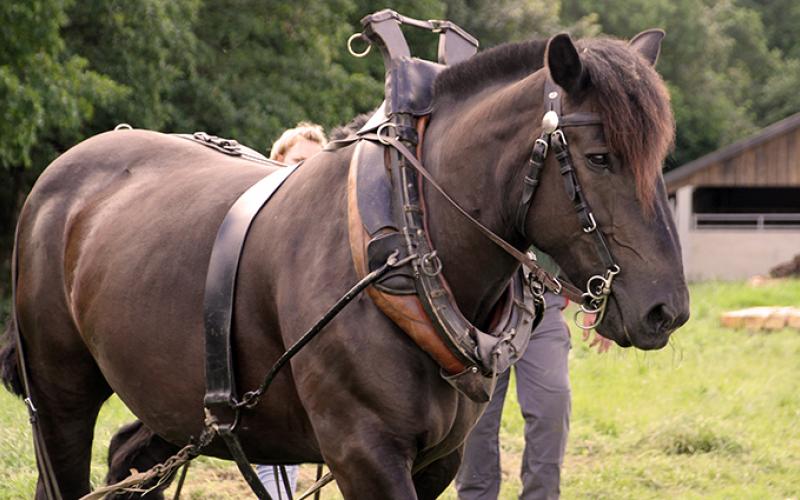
(599,160)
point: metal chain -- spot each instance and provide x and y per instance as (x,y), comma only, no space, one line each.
(162,471)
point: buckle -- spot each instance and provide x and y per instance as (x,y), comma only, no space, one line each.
(32,412)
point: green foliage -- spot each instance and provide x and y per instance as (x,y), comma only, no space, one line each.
(47,94)
(725,70)
(145,46)
(496,22)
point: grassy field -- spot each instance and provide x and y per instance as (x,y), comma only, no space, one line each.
(716,414)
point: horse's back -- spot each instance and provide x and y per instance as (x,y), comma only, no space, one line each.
(125,188)
(132,160)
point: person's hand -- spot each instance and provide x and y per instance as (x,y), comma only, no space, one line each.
(603,344)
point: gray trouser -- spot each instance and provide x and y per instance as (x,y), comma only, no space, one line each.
(273,482)
(544,398)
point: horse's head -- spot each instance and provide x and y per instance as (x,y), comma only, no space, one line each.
(617,124)
(618,165)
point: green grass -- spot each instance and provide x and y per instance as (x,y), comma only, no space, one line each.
(716,414)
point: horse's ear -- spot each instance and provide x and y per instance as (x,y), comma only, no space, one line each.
(564,63)
(648,44)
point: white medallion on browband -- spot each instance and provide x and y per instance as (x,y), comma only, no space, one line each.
(550,122)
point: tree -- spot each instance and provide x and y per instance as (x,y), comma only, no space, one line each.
(713,58)
(48,95)
(147,47)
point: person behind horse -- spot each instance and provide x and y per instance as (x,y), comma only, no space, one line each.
(293,146)
(298,143)
(542,379)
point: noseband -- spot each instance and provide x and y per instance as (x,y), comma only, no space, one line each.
(598,287)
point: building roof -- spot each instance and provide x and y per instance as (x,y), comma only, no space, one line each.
(730,151)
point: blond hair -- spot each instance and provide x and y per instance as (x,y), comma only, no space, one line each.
(303,130)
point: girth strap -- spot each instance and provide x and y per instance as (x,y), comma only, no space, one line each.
(221,284)
(218,315)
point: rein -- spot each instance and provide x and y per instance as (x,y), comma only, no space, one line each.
(594,299)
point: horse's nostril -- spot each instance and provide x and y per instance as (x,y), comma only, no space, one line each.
(660,319)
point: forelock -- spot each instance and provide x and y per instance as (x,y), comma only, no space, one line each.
(632,97)
(634,103)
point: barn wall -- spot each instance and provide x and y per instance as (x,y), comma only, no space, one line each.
(768,159)
(775,162)
(737,254)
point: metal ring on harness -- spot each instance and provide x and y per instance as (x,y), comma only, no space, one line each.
(350,45)
(580,324)
(431,264)
(380,130)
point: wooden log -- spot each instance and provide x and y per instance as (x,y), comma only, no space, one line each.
(762,318)
(777,318)
(793,320)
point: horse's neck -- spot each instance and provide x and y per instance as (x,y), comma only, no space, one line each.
(466,158)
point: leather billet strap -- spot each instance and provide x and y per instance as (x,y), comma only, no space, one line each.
(221,283)
(575,194)
(531,180)
(552,96)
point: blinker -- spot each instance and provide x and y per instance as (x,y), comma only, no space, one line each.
(550,122)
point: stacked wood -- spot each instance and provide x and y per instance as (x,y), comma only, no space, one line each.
(763,318)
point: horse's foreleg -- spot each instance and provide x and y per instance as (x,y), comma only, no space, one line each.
(369,466)
(135,446)
(431,481)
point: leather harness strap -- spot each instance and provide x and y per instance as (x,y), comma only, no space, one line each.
(48,476)
(221,283)
(598,288)
(543,276)
(218,316)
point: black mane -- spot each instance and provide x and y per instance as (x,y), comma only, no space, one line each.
(504,62)
(630,96)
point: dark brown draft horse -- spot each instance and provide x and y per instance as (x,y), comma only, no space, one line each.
(114,241)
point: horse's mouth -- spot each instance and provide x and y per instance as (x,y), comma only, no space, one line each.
(613,314)
(623,335)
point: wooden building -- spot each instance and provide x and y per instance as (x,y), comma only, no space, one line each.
(738,209)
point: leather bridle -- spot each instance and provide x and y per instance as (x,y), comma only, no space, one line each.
(598,287)
(594,299)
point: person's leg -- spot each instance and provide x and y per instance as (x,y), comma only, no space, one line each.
(478,477)
(544,397)
(273,482)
